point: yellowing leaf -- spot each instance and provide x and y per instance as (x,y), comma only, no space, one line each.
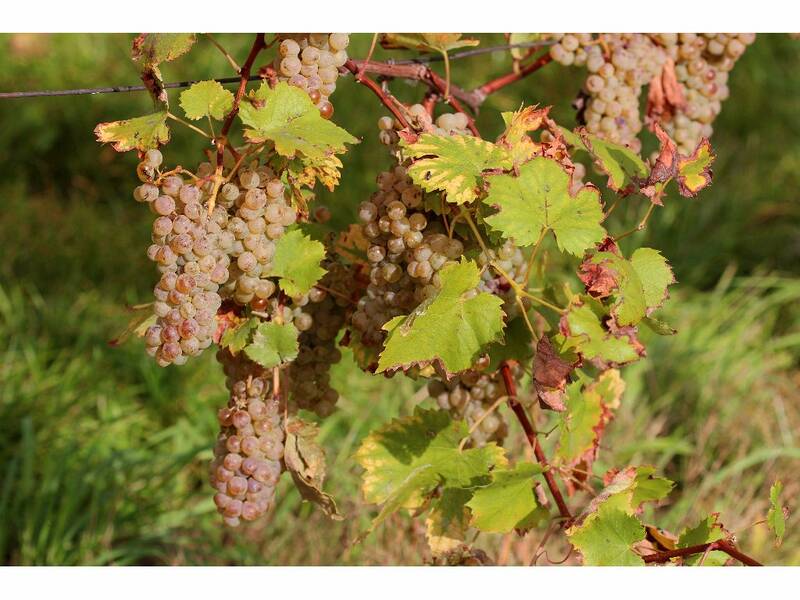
(624,167)
(539,200)
(140,133)
(206,99)
(453,164)
(515,138)
(452,327)
(155,48)
(448,520)
(426,42)
(694,171)
(305,460)
(286,116)
(407,458)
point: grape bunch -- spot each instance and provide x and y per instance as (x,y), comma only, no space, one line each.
(619,66)
(260,215)
(470,396)
(310,371)
(193,265)
(249,449)
(702,66)
(311,62)
(420,120)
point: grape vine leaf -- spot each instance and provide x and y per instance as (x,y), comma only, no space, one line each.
(624,167)
(273,344)
(450,328)
(297,262)
(515,138)
(326,170)
(589,408)
(448,520)
(426,42)
(538,200)
(206,99)
(155,48)
(551,371)
(236,338)
(708,529)
(453,164)
(582,331)
(694,171)
(305,460)
(407,458)
(150,50)
(139,133)
(655,275)
(607,537)
(286,116)
(776,519)
(509,501)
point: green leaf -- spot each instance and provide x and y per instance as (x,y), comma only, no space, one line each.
(297,262)
(539,200)
(586,335)
(448,520)
(648,487)
(624,167)
(707,530)
(694,171)
(659,327)
(405,459)
(451,327)
(453,164)
(155,48)
(206,99)
(236,338)
(273,344)
(286,116)
(607,537)
(655,275)
(508,502)
(776,520)
(139,133)
(305,460)
(572,139)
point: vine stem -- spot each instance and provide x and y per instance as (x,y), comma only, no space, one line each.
(222,140)
(533,440)
(387,100)
(498,83)
(722,545)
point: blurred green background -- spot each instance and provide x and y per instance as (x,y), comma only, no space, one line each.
(103,455)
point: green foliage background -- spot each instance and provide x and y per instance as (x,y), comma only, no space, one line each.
(103,455)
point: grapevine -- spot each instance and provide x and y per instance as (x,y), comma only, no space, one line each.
(444,277)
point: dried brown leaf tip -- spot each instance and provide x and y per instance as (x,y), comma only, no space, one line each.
(550,375)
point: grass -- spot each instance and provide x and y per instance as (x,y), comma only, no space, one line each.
(103,455)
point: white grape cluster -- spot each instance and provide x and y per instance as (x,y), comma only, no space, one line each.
(508,257)
(408,243)
(311,62)
(702,65)
(619,66)
(470,396)
(310,371)
(260,215)
(193,264)
(248,453)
